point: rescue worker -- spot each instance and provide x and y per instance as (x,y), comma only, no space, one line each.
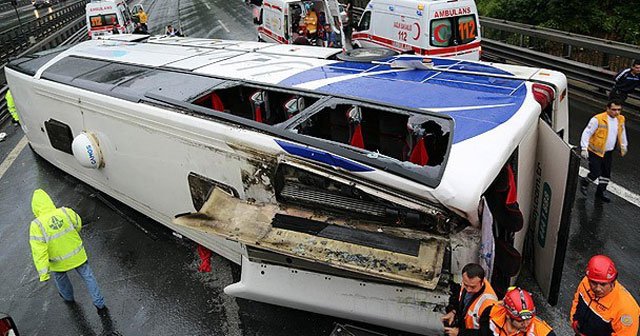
(11,106)
(626,82)
(476,294)
(172,31)
(57,248)
(142,19)
(598,141)
(601,305)
(515,315)
(311,21)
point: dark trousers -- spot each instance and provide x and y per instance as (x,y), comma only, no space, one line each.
(600,168)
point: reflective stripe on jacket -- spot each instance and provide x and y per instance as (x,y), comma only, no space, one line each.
(598,140)
(481,300)
(493,322)
(54,237)
(615,314)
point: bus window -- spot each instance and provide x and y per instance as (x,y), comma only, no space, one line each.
(264,106)
(454,31)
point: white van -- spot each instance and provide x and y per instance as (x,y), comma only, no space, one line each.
(440,28)
(108,17)
(281,21)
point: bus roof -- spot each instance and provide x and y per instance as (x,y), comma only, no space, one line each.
(491,105)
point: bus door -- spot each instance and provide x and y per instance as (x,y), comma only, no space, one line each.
(554,187)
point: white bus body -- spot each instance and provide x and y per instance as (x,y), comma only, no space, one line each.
(361,204)
(107,17)
(439,28)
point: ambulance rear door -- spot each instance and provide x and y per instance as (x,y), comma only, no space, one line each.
(554,187)
(333,16)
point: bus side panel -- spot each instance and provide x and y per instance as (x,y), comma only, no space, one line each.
(555,182)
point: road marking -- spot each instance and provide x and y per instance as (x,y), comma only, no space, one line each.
(207,5)
(224,27)
(617,190)
(13,155)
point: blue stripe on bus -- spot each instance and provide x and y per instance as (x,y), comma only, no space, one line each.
(320,156)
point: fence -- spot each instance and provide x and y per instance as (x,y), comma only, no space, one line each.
(17,39)
(73,32)
(6,6)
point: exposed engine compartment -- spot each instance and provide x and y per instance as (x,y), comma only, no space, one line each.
(303,188)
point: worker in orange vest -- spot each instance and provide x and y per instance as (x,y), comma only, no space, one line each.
(515,315)
(601,305)
(476,294)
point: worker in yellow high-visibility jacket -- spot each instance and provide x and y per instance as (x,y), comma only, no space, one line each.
(11,106)
(57,248)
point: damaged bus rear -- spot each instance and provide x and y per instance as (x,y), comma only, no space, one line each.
(353,189)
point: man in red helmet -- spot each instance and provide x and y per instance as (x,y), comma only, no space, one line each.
(514,316)
(601,305)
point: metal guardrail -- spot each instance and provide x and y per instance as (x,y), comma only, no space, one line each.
(16,39)
(72,33)
(6,6)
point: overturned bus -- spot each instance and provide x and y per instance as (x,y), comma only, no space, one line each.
(353,189)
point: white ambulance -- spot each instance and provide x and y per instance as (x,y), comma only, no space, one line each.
(108,17)
(443,28)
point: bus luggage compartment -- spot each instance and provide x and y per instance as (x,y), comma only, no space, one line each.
(300,233)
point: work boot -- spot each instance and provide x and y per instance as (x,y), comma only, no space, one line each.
(602,194)
(584,186)
(102,311)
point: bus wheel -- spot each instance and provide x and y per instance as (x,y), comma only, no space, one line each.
(366,54)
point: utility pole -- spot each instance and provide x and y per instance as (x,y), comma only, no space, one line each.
(15,8)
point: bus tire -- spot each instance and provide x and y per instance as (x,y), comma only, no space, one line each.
(366,54)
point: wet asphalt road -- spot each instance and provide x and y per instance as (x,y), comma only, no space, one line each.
(150,280)
(27,13)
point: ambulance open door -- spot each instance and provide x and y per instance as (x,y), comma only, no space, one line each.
(554,188)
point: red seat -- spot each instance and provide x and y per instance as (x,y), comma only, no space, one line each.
(216,102)
(356,138)
(419,153)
